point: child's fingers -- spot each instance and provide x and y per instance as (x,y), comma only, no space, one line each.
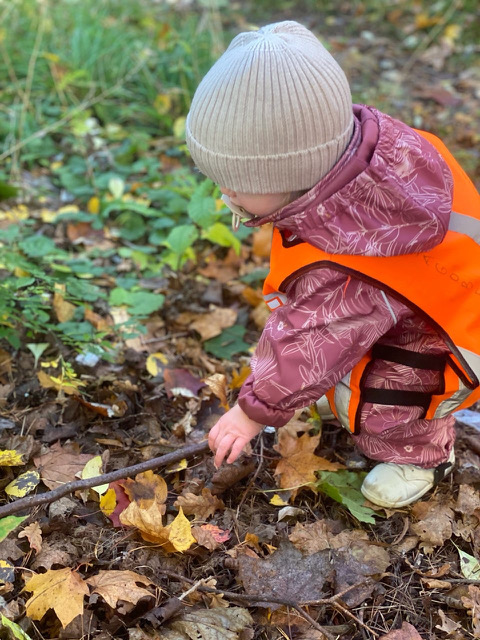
(237,449)
(212,436)
(223,448)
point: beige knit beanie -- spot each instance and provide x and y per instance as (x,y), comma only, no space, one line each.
(273,114)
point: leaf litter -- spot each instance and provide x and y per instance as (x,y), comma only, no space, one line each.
(161,538)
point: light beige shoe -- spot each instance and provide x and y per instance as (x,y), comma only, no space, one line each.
(393,485)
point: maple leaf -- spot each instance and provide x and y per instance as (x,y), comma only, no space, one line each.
(299,464)
(120,585)
(202,507)
(62,590)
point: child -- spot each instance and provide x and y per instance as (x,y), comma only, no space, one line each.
(373,277)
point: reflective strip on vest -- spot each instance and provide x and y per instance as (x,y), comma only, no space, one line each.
(275,300)
(465,224)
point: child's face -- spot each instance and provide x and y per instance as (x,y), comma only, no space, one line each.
(257,204)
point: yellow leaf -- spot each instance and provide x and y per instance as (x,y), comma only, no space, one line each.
(47,215)
(7,572)
(94,468)
(452,32)
(156,362)
(33,533)
(177,466)
(148,521)
(69,208)
(239,377)
(299,464)
(69,387)
(62,590)
(20,273)
(162,103)
(179,128)
(10,458)
(93,205)
(278,501)
(23,484)
(180,534)
(147,489)
(108,502)
(120,585)
(64,310)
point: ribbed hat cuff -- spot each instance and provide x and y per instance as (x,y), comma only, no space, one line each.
(278,173)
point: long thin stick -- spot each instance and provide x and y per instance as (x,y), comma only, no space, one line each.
(70,487)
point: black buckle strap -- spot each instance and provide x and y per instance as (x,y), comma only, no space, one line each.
(397,397)
(433,362)
(441,471)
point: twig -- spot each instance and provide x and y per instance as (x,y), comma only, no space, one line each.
(70,487)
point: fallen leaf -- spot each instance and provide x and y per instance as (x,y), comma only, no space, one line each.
(299,464)
(210,325)
(148,521)
(70,387)
(202,507)
(7,572)
(210,536)
(448,625)
(59,466)
(16,629)
(33,533)
(156,363)
(407,632)
(472,604)
(208,624)
(92,469)
(146,489)
(9,524)
(64,310)
(286,575)
(217,383)
(120,585)
(121,500)
(108,502)
(180,382)
(434,524)
(180,533)
(23,484)
(10,458)
(62,590)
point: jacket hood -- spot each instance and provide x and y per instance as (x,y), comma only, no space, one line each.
(390,194)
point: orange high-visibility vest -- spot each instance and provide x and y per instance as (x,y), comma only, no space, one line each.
(441,285)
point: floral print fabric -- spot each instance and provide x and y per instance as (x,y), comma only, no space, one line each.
(389,194)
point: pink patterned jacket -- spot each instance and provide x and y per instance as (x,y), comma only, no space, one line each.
(390,194)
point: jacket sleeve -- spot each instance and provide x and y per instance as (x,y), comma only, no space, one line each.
(329,322)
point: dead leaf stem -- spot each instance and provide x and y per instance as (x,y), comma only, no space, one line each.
(50,496)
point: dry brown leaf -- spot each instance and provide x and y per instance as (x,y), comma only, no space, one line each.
(218,386)
(448,625)
(64,310)
(436,584)
(60,465)
(435,523)
(262,241)
(299,464)
(148,521)
(319,535)
(120,585)
(202,507)
(472,603)
(33,533)
(407,632)
(62,590)
(210,536)
(209,325)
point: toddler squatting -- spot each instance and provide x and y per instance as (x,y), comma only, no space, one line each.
(374,282)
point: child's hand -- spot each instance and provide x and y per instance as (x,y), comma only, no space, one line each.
(231,434)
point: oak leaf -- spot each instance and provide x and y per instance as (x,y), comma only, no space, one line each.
(299,464)
(62,590)
(120,585)
(33,533)
(202,507)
